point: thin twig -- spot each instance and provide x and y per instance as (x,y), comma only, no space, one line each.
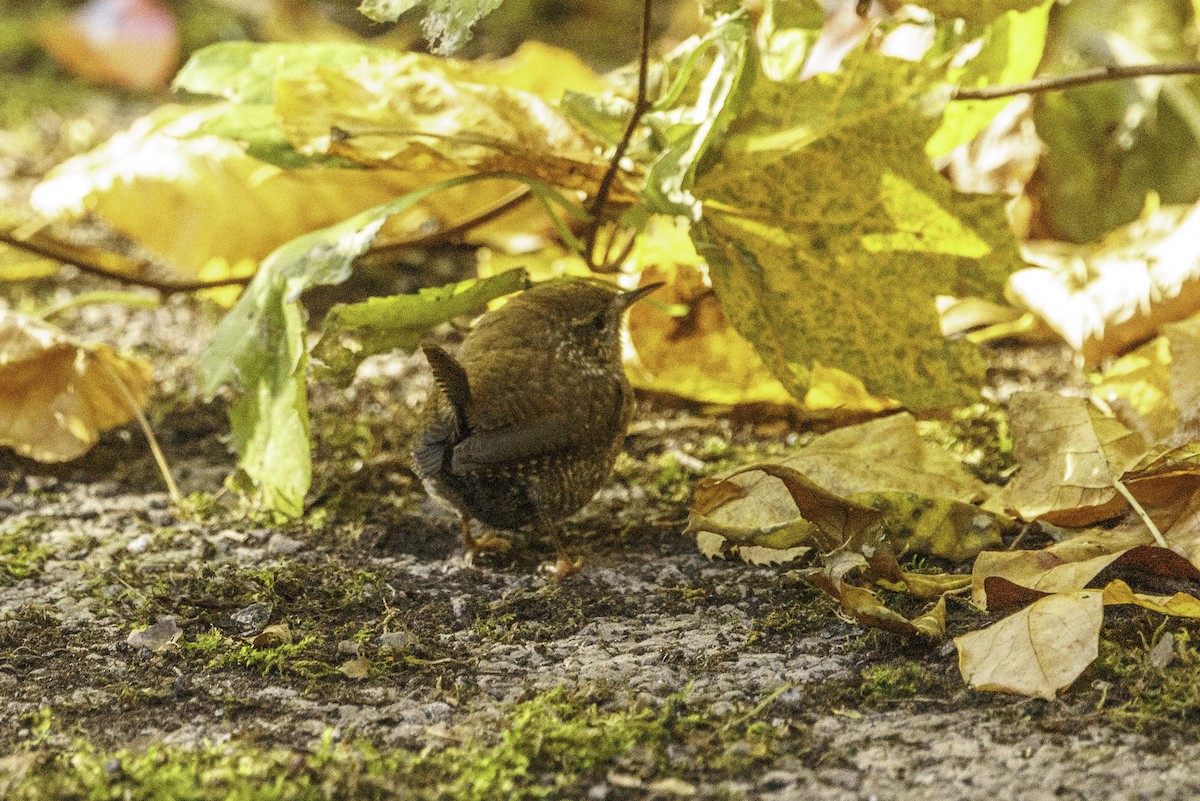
(506,204)
(1052,83)
(640,107)
(166,287)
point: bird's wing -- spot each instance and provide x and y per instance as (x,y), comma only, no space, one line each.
(546,435)
(543,436)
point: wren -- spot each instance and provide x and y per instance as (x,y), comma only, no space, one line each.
(526,422)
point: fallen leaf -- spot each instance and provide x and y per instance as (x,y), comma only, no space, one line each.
(1140,382)
(1181,604)
(887,454)
(865,480)
(1070,457)
(1037,651)
(941,527)
(57,393)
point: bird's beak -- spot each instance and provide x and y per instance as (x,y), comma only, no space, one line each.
(634,295)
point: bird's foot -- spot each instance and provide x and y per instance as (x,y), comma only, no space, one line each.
(488,543)
(562,567)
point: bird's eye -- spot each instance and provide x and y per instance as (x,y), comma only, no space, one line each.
(598,321)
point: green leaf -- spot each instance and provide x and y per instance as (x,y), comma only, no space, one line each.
(694,112)
(245,72)
(447,23)
(1010,52)
(354,331)
(829,233)
(259,348)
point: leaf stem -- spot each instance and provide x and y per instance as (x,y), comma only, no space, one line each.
(1053,83)
(640,107)
(1137,508)
(159,459)
(131,299)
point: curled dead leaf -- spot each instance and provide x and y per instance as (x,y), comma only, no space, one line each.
(57,394)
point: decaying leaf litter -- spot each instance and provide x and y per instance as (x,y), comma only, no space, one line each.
(865,536)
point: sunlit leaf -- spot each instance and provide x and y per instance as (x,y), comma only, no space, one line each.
(1140,382)
(191,200)
(1181,604)
(847,489)
(941,527)
(442,118)
(57,394)
(839,256)
(976,10)
(1009,53)
(694,354)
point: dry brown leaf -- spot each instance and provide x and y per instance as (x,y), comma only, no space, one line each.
(929,585)
(894,479)
(1157,385)
(1106,297)
(57,394)
(864,607)
(1070,456)
(843,521)
(1184,535)
(1185,367)
(1037,651)
(1004,597)
(1069,566)
(1043,571)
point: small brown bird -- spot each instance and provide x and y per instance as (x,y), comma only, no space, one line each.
(527,421)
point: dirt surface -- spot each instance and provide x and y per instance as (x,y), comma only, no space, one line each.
(653,673)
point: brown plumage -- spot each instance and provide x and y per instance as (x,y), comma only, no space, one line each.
(529,416)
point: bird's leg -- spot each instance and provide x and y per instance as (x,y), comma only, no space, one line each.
(488,543)
(563,565)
